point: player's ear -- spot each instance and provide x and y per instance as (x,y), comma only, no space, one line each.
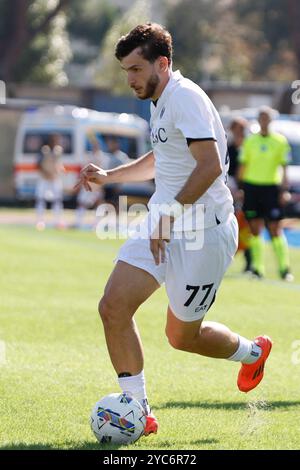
(163,63)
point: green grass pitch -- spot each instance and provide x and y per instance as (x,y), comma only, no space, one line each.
(54,365)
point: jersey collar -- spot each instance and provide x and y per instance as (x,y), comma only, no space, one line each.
(175,77)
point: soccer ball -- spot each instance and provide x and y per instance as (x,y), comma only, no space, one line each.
(118,419)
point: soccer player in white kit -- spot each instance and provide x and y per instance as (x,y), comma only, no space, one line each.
(189,162)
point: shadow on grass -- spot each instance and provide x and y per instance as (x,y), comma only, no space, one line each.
(68,446)
(198,442)
(266,405)
(94,446)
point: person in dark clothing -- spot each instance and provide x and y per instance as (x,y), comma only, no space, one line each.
(238,128)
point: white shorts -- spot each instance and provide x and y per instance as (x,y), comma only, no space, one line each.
(89,198)
(191,277)
(49,190)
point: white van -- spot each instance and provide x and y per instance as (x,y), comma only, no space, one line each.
(75,126)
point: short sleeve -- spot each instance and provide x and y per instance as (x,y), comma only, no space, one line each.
(193,115)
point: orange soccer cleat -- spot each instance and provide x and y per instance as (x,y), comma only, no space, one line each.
(151,425)
(250,375)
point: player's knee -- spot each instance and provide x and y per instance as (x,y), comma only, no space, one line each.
(108,311)
(179,341)
(113,313)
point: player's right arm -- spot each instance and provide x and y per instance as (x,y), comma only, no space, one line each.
(138,170)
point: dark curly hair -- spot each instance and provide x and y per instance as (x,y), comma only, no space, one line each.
(153,39)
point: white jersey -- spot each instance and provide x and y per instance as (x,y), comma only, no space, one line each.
(184,111)
(192,274)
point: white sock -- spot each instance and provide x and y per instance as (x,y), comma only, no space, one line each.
(57,211)
(40,210)
(136,386)
(80,213)
(248,351)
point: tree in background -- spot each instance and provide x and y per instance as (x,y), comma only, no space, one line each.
(89,22)
(272,29)
(209,44)
(36,37)
(109,73)
(231,58)
(236,39)
(192,24)
(293,9)
(232,40)
(34,45)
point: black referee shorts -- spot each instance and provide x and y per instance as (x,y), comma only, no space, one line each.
(262,202)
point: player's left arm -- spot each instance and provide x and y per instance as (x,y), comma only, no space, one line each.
(207,169)
(285,181)
(285,159)
(192,116)
(285,195)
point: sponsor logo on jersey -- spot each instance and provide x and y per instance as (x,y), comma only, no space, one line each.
(201,308)
(159,135)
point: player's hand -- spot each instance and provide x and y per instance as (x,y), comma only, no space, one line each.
(159,238)
(91,174)
(285,197)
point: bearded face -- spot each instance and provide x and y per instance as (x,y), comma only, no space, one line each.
(148,90)
(142,75)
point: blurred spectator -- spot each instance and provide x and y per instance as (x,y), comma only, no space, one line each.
(49,187)
(263,161)
(90,199)
(238,128)
(115,158)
